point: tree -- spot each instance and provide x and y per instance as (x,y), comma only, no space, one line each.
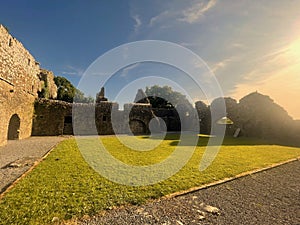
(66,91)
(165,97)
(230,110)
(81,98)
(204,117)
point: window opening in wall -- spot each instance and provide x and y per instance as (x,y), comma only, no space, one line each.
(28,62)
(10,42)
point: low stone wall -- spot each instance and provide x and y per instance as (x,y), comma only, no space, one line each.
(52,117)
(49,116)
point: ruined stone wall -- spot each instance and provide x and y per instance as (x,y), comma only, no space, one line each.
(19,84)
(140,115)
(257,116)
(52,117)
(49,88)
(103,112)
(260,116)
(18,66)
(170,117)
(49,116)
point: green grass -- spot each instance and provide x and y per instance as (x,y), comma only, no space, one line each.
(64,185)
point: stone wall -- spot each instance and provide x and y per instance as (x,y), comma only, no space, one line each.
(49,88)
(52,117)
(140,115)
(19,84)
(259,116)
(170,117)
(256,115)
(49,116)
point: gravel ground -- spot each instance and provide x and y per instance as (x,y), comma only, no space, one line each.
(268,197)
(18,156)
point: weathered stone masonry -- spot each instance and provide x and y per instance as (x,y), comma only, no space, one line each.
(19,84)
(54,117)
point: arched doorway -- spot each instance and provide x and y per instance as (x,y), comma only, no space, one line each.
(137,127)
(13,128)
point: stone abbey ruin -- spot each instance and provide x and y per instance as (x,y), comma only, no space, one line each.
(24,114)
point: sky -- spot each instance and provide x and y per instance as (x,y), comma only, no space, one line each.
(246,45)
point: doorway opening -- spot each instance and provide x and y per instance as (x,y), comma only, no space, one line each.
(13,128)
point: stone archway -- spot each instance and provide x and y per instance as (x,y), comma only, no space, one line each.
(137,127)
(13,127)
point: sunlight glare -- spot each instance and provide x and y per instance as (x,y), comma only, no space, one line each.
(294,50)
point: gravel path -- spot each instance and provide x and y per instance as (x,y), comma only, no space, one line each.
(18,156)
(268,197)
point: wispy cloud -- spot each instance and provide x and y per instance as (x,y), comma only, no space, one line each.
(162,17)
(238,45)
(194,13)
(191,14)
(221,65)
(138,22)
(128,69)
(68,73)
(71,70)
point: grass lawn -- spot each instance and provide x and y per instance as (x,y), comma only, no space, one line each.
(65,186)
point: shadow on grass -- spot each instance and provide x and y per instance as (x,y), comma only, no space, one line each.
(228,141)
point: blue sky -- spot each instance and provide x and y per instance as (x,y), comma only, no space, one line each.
(248,45)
